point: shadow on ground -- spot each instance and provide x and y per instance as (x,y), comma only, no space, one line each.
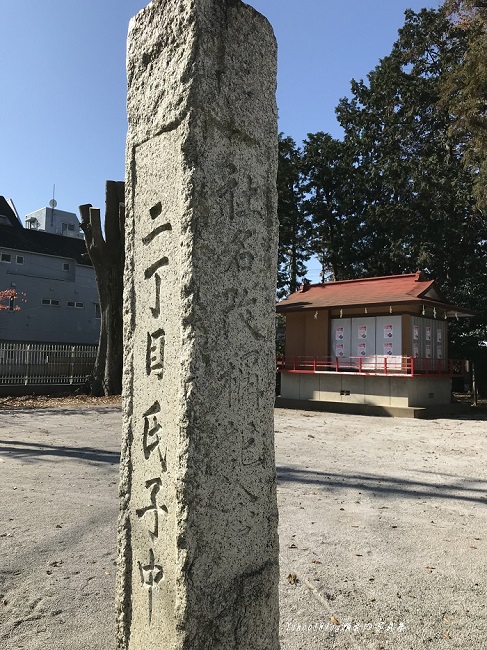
(39,451)
(79,411)
(462,489)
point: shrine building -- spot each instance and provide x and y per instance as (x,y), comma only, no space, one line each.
(375,345)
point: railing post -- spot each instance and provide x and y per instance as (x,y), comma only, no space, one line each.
(27,364)
(314,364)
(360,364)
(336,364)
(385,365)
(71,379)
(412,366)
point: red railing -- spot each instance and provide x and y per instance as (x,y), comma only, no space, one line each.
(373,365)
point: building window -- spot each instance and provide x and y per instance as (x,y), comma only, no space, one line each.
(71,227)
(65,266)
(97,310)
(5,257)
(51,302)
(78,305)
(64,227)
(20,259)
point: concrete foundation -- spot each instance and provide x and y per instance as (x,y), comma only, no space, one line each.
(370,390)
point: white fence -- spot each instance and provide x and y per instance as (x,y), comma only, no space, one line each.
(45,363)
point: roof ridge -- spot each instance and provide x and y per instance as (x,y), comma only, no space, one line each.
(418,275)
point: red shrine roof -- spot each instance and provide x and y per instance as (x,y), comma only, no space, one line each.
(406,289)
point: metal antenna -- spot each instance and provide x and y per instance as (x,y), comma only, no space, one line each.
(53,204)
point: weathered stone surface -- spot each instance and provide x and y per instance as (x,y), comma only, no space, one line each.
(198,526)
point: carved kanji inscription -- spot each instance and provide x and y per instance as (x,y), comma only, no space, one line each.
(151,575)
(226,192)
(155,353)
(156,310)
(156,210)
(153,268)
(153,514)
(153,435)
(164,227)
(251,444)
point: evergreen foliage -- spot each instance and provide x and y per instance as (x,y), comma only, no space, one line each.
(464,89)
(294,249)
(327,205)
(396,195)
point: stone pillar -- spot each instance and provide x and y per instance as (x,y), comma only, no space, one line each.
(198,525)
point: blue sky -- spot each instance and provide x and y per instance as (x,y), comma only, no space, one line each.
(62,75)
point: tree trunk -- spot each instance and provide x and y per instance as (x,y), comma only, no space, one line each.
(107,255)
(107,374)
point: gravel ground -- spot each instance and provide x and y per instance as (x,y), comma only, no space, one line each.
(382,528)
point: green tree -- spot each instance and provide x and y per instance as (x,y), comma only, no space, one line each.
(413,206)
(327,190)
(293,250)
(464,89)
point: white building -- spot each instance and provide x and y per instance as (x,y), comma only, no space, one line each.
(54,221)
(48,262)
